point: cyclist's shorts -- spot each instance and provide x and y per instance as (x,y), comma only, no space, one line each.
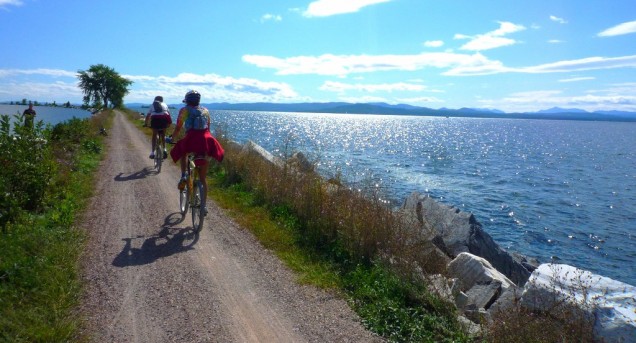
(160,121)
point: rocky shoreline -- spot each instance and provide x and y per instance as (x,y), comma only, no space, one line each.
(487,279)
(482,278)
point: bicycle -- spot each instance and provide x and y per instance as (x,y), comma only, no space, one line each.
(159,148)
(191,195)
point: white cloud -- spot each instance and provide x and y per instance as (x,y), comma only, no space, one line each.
(455,64)
(363,99)
(419,100)
(342,65)
(4,3)
(213,87)
(590,63)
(42,91)
(576,79)
(340,87)
(433,43)
(535,100)
(620,29)
(558,20)
(39,71)
(492,39)
(555,41)
(271,17)
(325,8)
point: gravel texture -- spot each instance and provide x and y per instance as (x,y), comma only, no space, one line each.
(149,278)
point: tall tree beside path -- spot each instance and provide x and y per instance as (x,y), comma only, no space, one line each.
(102,84)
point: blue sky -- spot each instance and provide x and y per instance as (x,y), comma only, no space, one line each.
(509,55)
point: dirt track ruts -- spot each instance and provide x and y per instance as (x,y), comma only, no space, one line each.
(149,278)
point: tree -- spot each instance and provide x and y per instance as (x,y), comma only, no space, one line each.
(102,84)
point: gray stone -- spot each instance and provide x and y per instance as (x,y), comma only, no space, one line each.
(461,232)
(507,300)
(471,270)
(484,294)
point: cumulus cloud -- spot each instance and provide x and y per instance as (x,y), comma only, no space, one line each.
(491,40)
(5,3)
(213,87)
(454,64)
(433,43)
(340,87)
(271,17)
(620,29)
(343,65)
(531,101)
(558,20)
(325,8)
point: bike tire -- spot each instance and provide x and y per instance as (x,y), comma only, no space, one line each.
(184,200)
(158,157)
(197,207)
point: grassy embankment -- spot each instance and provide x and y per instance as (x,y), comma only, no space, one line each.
(45,181)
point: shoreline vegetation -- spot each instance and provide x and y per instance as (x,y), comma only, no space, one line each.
(44,190)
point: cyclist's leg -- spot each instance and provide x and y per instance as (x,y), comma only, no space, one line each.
(162,141)
(154,138)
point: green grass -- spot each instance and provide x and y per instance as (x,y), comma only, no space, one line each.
(39,251)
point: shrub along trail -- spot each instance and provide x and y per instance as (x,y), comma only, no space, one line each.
(149,278)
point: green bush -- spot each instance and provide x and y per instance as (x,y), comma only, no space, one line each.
(26,169)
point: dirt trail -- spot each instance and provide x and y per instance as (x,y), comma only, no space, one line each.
(149,278)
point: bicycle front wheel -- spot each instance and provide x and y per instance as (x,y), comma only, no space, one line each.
(198,208)
(184,200)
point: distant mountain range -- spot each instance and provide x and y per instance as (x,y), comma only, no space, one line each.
(404,109)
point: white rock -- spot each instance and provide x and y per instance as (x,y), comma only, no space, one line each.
(609,303)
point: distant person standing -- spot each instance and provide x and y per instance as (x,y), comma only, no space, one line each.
(29,115)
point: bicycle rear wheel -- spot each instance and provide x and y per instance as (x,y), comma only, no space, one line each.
(158,156)
(198,208)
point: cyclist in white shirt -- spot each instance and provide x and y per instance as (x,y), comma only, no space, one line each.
(160,120)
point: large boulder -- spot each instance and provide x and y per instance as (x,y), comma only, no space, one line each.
(609,304)
(256,150)
(479,286)
(461,232)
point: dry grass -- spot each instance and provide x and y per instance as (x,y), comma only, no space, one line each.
(359,221)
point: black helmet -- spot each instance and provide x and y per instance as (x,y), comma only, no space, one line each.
(159,98)
(192,97)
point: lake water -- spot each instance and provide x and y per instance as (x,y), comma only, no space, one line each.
(49,115)
(562,190)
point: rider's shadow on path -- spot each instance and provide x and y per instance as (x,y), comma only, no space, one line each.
(134,176)
(168,241)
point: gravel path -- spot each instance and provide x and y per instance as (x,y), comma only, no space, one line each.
(149,278)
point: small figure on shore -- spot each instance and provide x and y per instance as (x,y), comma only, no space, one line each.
(28,116)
